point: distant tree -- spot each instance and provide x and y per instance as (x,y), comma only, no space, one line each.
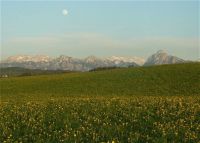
(26,74)
(103,68)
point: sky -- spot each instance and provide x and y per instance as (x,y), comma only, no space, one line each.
(100,28)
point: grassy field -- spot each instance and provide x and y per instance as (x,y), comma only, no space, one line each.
(144,104)
(183,79)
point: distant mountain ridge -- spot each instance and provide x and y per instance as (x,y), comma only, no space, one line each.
(26,58)
(68,63)
(18,71)
(91,62)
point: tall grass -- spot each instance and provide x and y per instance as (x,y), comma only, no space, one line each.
(181,79)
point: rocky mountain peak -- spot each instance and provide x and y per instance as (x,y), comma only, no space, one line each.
(91,59)
(162,57)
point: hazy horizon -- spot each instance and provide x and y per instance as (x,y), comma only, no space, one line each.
(106,28)
(101,57)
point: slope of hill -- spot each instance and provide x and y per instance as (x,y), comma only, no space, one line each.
(181,79)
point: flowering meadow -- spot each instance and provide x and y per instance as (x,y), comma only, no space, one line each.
(102,119)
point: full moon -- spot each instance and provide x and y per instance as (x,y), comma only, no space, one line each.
(64,12)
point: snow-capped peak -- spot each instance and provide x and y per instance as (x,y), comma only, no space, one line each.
(91,59)
(161,52)
(27,58)
(118,59)
(162,57)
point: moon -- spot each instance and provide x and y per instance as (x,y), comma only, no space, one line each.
(64,12)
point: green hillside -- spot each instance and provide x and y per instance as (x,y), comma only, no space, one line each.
(109,106)
(180,79)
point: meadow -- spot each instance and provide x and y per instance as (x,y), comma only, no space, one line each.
(143,104)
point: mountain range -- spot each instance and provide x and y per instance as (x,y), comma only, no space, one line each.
(91,62)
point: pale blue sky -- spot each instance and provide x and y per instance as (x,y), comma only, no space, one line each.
(104,28)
